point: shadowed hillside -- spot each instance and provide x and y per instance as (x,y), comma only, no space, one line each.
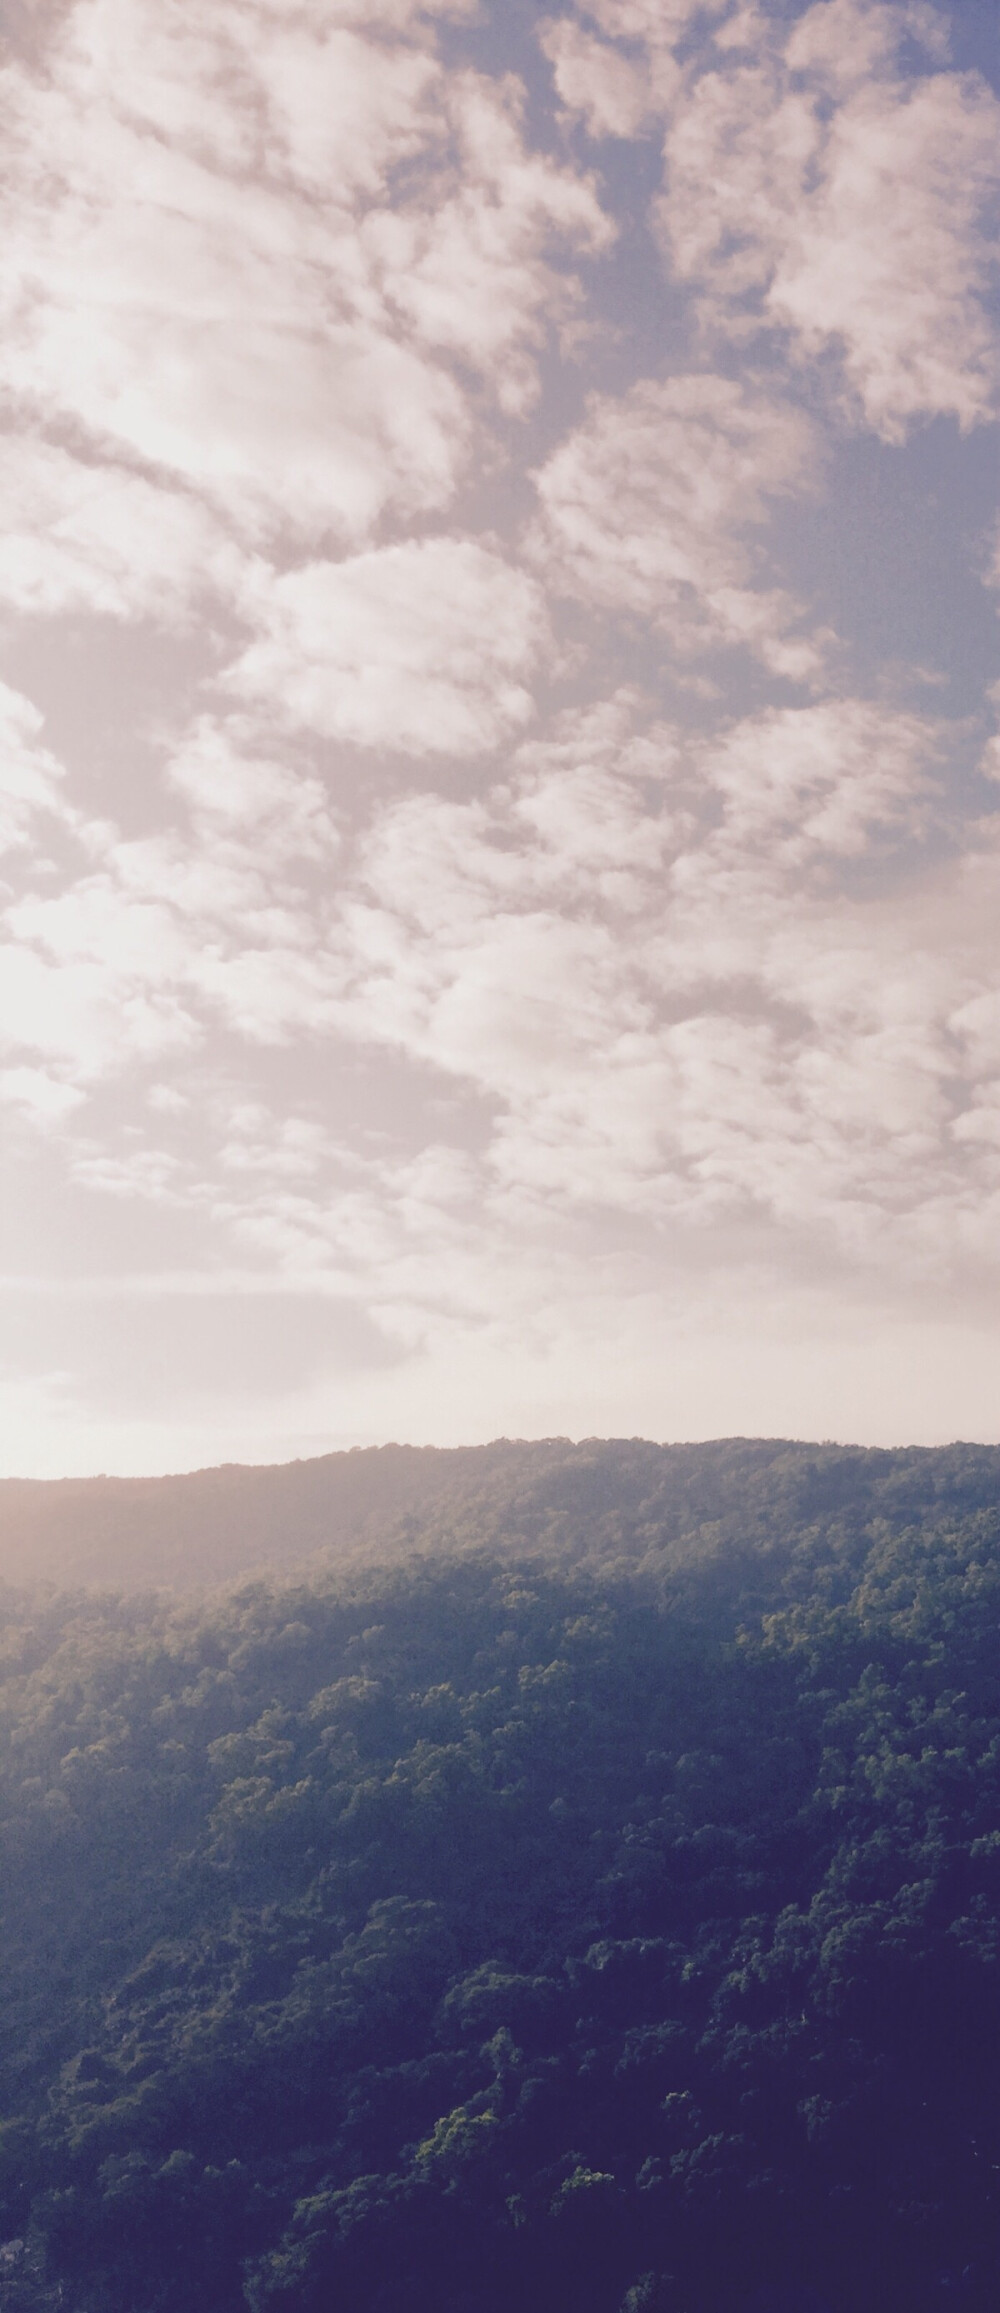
(621,1502)
(597,1910)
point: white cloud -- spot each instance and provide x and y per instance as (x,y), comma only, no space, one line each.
(89,1017)
(30,777)
(492,1022)
(129,950)
(682,1013)
(689,1045)
(213,338)
(646,507)
(616,93)
(609,92)
(468,266)
(249,806)
(638,954)
(404,1233)
(79,535)
(849,41)
(46,1098)
(292,1148)
(425,647)
(211,265)
(820,783)
(636,951)
(820,192)
(654,21)
(81,984)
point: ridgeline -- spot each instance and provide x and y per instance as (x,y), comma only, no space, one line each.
(617,1502)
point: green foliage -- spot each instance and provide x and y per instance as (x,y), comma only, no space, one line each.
(475,1934)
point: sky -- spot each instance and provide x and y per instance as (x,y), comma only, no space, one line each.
(500,782)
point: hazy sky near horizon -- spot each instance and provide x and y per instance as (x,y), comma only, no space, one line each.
(500,791)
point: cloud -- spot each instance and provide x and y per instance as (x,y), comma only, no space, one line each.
(638,950)
(214,339)
(468,267)
(645,510)
(422,648)
(616,94)
(387,15)
(215,267)
(30,777)
(378,1222)
(848,42)
(89,535)
(249,806)
(88,1017)
(124,955)
(612,95)
(820,783)
(813,189)
(655,21)
(45,1098)
(389,980)
(672,1018)
(644,954)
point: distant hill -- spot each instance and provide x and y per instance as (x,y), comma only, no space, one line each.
(607,1502)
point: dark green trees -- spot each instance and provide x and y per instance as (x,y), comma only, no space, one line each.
(487,1937)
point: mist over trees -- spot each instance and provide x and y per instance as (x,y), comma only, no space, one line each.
(596,1910)
(619,1501)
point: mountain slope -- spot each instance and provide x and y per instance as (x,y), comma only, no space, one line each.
(477,1933)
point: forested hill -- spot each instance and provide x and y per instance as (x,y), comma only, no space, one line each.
(527,1928)
(602,1502)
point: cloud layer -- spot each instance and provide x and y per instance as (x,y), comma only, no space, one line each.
(463,861)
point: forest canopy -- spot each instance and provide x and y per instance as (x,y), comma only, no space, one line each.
(612,1932)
